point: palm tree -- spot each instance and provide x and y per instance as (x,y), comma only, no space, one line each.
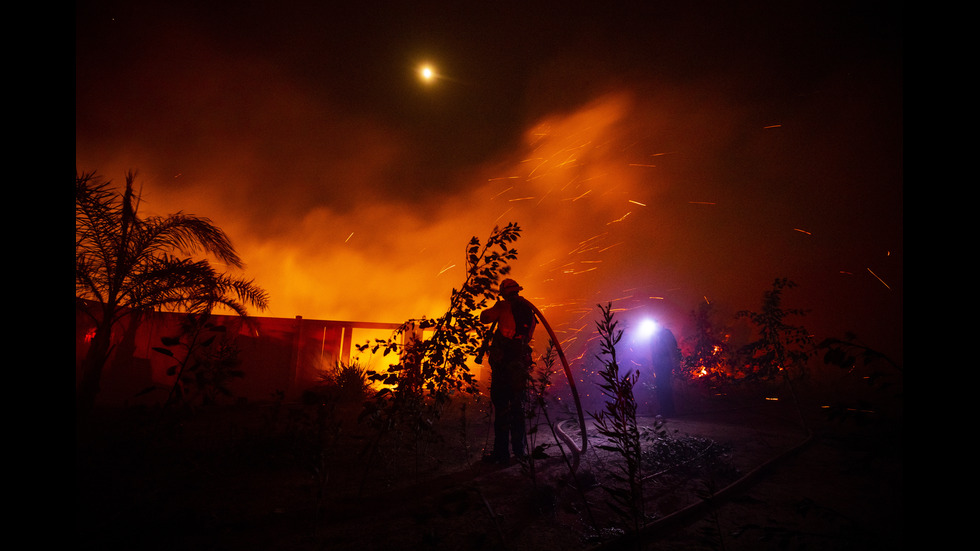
(125,264)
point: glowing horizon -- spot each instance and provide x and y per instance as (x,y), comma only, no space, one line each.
(599,223)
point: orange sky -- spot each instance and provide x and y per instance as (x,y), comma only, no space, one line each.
(652,194)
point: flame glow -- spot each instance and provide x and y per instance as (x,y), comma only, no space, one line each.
(329,218)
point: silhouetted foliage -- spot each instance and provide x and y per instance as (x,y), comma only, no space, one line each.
(125,263)
(206,360)
(867,367)
(433,353)
(850,355)
(780,346)
(617,423)
(344,382)
(537,406)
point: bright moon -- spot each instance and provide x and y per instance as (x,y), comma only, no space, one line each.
(426,73)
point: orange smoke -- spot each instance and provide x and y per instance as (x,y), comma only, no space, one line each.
(626,200)
(571,187)
(356,252)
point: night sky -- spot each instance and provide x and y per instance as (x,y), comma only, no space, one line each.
(656,154)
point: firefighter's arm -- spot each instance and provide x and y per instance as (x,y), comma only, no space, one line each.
(492,314)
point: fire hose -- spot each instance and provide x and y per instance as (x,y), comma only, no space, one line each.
(576,452)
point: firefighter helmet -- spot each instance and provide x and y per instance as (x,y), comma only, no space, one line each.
(509,286)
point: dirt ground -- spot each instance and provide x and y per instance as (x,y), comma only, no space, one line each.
(262,478)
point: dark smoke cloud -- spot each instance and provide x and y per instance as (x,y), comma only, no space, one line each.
(651,189)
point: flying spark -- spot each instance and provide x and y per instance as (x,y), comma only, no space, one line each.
(502,192)
(878,278)
(619,219)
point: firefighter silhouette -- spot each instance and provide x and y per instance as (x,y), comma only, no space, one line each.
(510,364)
(666,360)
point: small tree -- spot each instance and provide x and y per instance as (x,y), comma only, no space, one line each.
(206,361)
(433,353)
(437,365)
(780,347)
(617,422)
(536,406)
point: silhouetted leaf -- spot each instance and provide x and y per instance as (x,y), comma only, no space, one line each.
(164,351)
